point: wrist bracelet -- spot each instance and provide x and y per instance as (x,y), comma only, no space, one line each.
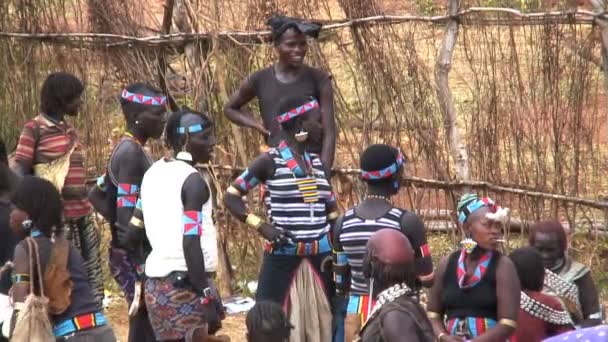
(433,315)
(254,221)
(508,322)
(233,191)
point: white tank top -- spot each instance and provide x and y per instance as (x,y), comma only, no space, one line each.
(161,199)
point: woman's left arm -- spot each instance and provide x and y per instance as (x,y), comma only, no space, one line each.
(589,301)
(21,282)
(508,293)
(326,103)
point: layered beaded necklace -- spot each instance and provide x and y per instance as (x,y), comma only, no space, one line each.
(562,288)
(387,296)
(542,311)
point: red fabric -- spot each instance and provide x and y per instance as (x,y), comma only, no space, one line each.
(532,329)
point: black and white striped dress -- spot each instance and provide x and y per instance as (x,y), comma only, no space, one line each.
(287,207)
(354,234)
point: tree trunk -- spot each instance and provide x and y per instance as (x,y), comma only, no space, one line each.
(600,6)
(444,96)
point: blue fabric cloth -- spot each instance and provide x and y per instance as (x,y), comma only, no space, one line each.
(593,334)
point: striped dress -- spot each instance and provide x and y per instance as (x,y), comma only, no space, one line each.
(293,204)
(354,234)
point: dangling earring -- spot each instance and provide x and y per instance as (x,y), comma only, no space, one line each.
(184,155)
(301,136)
(27,226)
(137,122)
(468,244)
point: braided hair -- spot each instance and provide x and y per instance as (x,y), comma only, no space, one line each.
(131,109)
(266,321)
(173,139)
(377,157)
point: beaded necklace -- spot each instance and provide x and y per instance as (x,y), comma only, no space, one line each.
(479,272)
(387,296)
(542,311)
(307,185)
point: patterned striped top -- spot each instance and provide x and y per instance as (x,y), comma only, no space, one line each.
(354,234)
(43,140)
(288,199)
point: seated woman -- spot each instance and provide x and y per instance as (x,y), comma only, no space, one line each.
(477,290)
(39,201)
(565,278)
(175,212)
(301,209)
(266,321)
(390,266)
(382,167)
(540,315)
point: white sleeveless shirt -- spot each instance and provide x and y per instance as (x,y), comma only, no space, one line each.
(161,199)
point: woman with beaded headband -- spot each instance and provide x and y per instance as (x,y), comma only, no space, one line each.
(49,147)
(540,315)
(565,278)
(397,316)
(381,169)
(301,209)
(286,78)
(176,211)
(477,290)
(117,193)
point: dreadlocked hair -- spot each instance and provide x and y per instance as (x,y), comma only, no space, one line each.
(131,109)
(377,157)
(175,140)
(59,89)
(41,201)
(266,321)
(386,275)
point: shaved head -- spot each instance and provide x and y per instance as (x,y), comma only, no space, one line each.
(391,246)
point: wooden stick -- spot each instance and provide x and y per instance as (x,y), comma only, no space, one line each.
(517,18)
(451,185)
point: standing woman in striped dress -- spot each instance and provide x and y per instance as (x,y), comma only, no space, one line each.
(300,210)
(49,147)
(381,169)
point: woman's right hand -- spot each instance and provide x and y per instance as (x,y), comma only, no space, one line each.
(260,128)
(273,235)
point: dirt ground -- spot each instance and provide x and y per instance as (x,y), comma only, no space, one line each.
(233,326)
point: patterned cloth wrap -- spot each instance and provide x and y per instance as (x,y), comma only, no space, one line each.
(593,334)
(174,311)
(469,327)
(123,271)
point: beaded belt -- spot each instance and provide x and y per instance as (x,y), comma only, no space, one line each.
(79,323)
(301,248)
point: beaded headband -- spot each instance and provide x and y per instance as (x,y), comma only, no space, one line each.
(143,99)
(386,172)
(470,203)
(313,104)
(190,129)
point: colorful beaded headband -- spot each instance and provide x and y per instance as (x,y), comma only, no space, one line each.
(475,205)
(298,111)
(143,99)
(190,129)
(386,172)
